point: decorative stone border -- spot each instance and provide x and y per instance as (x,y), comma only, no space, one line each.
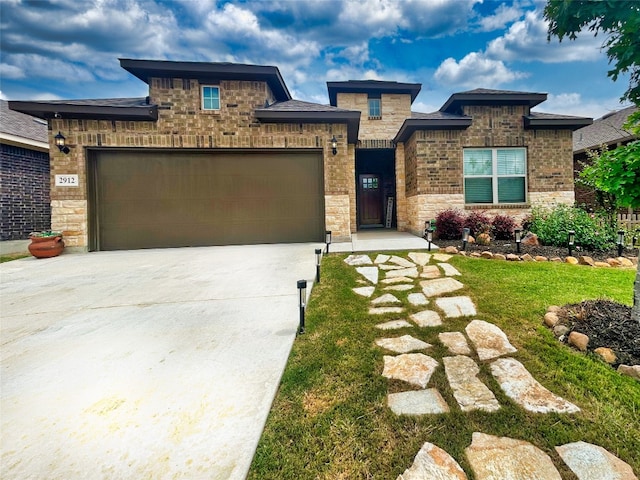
(620,262)
(580,341)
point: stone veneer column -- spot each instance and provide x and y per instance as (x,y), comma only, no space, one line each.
(402,220)
(70,217)
(338,216)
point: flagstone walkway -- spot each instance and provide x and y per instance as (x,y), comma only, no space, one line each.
(429,278)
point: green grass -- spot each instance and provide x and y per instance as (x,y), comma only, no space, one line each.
(13,256)
(330,419)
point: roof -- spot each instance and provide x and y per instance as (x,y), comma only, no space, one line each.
(22,130)
(606,130)
(371,87)
(97,109)
(306,112)
(553,120)
(208,72)
(431,121)
(485,96)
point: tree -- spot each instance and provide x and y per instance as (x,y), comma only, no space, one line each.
(618,20)
(617,171)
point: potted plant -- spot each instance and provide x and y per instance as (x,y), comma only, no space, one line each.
(46,244)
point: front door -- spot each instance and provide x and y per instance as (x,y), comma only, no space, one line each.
(370,193)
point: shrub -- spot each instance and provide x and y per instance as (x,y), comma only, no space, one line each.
(449,224)
(502,227)
(552,227)
(477,223)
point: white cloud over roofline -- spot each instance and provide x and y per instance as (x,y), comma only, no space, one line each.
(475,70)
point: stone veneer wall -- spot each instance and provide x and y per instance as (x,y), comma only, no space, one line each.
(402,217)
(182,124)
(434,170)
(395,109)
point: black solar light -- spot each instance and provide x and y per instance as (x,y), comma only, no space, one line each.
(327,239)
(302,300)
(571,241)
(518,233)
(318,258)
(620,242)
(60,143)
(465,238)
(334,145)
(429,236)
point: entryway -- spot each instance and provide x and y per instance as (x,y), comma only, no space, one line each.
(376,188)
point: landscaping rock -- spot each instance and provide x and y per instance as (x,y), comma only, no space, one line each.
(420,258)
(403,272)
(403,262)
(433,463)
(606,354)
(403,344)
(512,257)
(518,384)
(631,371)
(417,402)
(451,249)
(370,273)
(402,287)
(488,340)
(540,258)
(393,325)
(426,318)
(455,342)
(440,286)
(449,270)
(602,265)
(396,280)
(381,259)
(579,340)
(383,310)
(553,308)
(560,330)
(530,239)
(355,260)
(487,255)
(550,319)
(417,299)
(454,307)
(441,257)
(613,262)
(470,393)
(473,254)
(625,262)
(592,462)
(556,259)
(413,368)
(430,271)
(571,260)
(499,256)
(500,458)
(386,298)
(584,260)
(365,291)
(483,239)
(527,258)
(389,267)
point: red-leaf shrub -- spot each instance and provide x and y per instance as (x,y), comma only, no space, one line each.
(502,227)
(449,224)
(477,222)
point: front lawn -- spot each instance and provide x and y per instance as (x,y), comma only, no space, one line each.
(330,419)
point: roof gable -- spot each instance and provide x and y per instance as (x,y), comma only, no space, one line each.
(371,87)
(485,96)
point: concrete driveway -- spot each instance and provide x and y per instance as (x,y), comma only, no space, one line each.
(146,364)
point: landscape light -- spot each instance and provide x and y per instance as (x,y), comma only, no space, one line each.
(327,239)
(302,301)
(620,242)
(571,241)
(465,238)
(518,234)
(318,258)
(429,236)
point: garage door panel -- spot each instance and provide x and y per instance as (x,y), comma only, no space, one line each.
(166,199)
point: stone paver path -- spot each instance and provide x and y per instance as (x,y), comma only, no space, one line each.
(490,457)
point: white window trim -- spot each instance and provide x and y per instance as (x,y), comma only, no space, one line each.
(202,87)
(494,175)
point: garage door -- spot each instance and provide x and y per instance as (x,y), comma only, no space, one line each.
(157,199)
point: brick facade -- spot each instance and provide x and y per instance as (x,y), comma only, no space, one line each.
(24,192)
(395,108)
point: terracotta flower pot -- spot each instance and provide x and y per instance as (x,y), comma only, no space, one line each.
(45,247)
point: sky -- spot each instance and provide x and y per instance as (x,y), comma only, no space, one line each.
(69,49)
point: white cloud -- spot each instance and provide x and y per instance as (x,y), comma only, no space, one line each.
(503,15)
(3,96)
(475,70)
(348,72)
(11,71)
(574,104)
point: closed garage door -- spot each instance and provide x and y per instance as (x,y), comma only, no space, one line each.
(154,199)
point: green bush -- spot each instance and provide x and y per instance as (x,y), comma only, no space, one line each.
(552,227)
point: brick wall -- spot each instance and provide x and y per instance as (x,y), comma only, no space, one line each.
(395,109)
(24,192)
(182,124)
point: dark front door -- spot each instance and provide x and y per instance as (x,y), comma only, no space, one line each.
(370,193)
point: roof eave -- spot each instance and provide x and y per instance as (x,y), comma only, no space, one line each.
(23,142)
(556,123)
(95,112)
(458,99)
(352,119)
(411,125)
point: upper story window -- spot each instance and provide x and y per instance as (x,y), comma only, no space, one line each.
(210,98)
(375,110)
(495,175)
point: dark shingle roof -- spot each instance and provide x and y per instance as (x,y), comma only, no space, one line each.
(93,108)
(555,121)
(485,96)
(300,106)
(22,125)
(604,131)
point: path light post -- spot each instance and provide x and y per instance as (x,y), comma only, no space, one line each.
(302,300)
(318,258)
(465,238)
(327,239)
(429,236)
(518,234)
(620,242)
(571,241)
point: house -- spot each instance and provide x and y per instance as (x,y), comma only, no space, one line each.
(220,153)
(25,205)
(605,131)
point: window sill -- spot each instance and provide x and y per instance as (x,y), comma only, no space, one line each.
(375,118)
(496,206)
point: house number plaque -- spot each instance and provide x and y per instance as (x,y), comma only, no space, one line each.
(66,180)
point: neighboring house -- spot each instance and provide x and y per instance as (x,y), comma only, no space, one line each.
(220,153)
(24,174)
(606,131)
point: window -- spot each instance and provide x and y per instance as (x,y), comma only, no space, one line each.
(495,175)
(374,108)
(210,98)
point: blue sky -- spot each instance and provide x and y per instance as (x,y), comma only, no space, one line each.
(68,49)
